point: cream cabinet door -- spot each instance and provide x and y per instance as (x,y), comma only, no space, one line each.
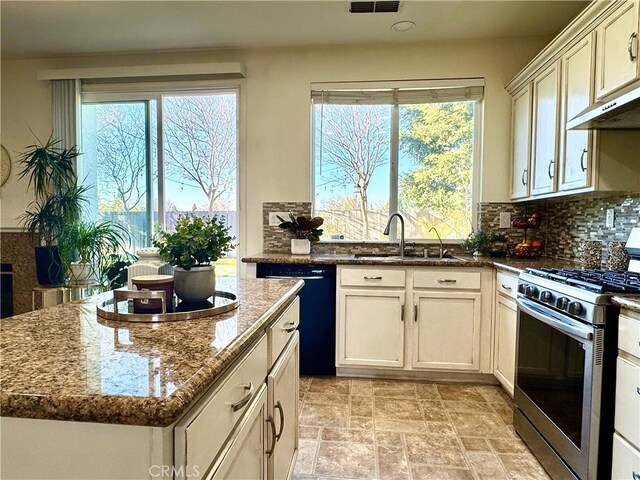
(282,384)
(243,457)
(576,95)
(617,51)
(505,342)
(545,130)
(626,460)
(521,142)
(446,330)
(371,328)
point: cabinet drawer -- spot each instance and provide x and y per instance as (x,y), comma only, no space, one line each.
(629,335)
(626,459)
(200,436)
(372,277)
(628,401)
(507,284)
(282,330)
(447,278)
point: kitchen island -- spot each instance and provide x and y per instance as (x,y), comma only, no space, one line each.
(83,397)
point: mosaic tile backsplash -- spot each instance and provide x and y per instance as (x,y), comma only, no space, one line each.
(567,221)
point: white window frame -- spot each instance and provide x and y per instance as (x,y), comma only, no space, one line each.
(145,92)
(478,116)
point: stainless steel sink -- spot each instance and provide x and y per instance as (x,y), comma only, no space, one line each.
(379,257)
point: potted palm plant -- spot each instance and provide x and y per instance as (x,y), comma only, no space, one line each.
(195,244)
(58,202)
(306,230)
(85,248)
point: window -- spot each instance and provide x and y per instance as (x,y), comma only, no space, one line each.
(154,157)
(381,148)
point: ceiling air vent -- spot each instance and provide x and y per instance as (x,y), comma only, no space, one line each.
(374,7)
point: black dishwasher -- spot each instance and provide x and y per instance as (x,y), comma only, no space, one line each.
(317,313)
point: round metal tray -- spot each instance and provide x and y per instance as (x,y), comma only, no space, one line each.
(120,307)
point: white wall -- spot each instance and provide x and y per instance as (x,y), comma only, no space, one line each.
(278,106)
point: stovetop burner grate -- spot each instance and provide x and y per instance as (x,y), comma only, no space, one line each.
(599,281)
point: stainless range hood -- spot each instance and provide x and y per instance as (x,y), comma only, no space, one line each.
(620,111)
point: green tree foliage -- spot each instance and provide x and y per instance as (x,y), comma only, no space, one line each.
(438,137)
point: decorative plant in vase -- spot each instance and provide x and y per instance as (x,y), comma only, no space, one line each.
(58,202)
(306,231)
(86,248)
(191,249)
(486,242)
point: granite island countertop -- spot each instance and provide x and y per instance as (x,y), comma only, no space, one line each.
(627,302)
(514,265)
(64,363)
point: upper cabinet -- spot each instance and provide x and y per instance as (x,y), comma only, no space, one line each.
(576,94)
(617,58)
(596,55)
(545,126)
(521,142)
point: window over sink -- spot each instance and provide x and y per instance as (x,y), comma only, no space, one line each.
(411,146)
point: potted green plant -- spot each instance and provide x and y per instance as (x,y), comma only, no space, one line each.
(192,248)
(485,242)
(58,202)
(85,248)
(306,231)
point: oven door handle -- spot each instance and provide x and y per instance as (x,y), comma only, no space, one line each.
(556,320)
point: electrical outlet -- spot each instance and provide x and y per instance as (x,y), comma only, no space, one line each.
(611,218)
(273,218)
(505,220)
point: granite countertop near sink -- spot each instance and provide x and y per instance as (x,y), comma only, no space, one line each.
(63,363)
(627,302)
(514,265)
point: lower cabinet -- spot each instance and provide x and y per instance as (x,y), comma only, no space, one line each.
(447,330)
(418,319)
(244,456)
(282,384)
(371,327)
(505,341)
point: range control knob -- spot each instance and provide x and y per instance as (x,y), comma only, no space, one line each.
(531,292)
(546,296)
(522,288)
(562,303)
(575,308)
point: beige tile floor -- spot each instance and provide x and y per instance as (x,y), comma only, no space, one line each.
(374,429)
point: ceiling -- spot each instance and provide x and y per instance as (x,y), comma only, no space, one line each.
(64,28)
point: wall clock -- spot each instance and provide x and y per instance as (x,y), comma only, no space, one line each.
(5,166)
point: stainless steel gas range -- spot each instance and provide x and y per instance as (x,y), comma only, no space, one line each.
(565,367)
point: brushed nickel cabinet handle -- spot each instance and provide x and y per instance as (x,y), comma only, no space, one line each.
(549,169)
(244,400)
(506,287)
(632,56)
(289,327)
(446,280)
(271,422)
(524,172)
(372,278)
(415,313)
(582,165)
(401,313)
(278,405)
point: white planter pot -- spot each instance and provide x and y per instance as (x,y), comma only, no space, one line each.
(82,273)
(196,284)
(300,246)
